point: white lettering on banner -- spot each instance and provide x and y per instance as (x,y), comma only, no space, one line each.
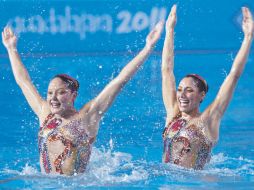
(140,20)
(124,27)
(85,23)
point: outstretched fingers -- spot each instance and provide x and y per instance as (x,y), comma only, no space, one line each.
(6,33)
(154,35)
(246,13)
(247,23)
(171,20)
(3,36)
(173,10)
(8,38)
(247,16)
(11,32)
(156,32)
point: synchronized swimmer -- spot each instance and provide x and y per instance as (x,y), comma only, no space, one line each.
(190,135)
(66,135)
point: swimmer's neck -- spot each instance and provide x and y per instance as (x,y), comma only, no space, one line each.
(190,115)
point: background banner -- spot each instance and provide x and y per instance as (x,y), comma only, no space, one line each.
(107,26)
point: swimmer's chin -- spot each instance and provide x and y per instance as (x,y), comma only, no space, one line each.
(183,107)
(56,110)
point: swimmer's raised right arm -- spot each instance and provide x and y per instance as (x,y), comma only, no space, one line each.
(216,110)
(20,73)
(167,69)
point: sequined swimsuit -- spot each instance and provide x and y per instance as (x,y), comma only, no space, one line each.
(186,145)
(51,131)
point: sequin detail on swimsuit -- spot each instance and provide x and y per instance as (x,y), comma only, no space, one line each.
(43,148)
(80,145)
(185,142)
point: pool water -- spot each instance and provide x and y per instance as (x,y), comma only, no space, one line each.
(128,150)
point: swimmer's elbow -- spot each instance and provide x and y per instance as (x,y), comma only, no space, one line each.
(21,79)
(166,69)
(22,83)
(119,82)
(235,73)
(235,76)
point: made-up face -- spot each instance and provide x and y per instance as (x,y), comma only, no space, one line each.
(59,97)
(189,96)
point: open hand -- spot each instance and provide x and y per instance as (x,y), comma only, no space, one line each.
(171,21)
(154,35)
(9,39)
(247,23)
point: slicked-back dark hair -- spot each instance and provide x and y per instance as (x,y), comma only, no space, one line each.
(72,83)
(200,81)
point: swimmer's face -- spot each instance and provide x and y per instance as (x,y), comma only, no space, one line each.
(59,97)
(188,95)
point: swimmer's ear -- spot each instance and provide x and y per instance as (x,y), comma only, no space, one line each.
(202,96)
(74,94)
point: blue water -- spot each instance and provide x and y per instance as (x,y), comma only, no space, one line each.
(128,150)
(127,153)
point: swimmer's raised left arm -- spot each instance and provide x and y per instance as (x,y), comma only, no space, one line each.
(98,106)
(21,75)
(167,68)
(216,110)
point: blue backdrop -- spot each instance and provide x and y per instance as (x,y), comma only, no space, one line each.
(111,26)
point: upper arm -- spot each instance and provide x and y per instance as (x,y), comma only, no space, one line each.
(103,101)
(222,100)
(215,111)
(36,102)
(90,118)
(169,94)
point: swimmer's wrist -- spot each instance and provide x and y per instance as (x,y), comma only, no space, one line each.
(148,47)
(169,30)
(248,38)
(12,49)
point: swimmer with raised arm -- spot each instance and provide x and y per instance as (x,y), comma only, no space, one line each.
(66,135)
(190,135)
